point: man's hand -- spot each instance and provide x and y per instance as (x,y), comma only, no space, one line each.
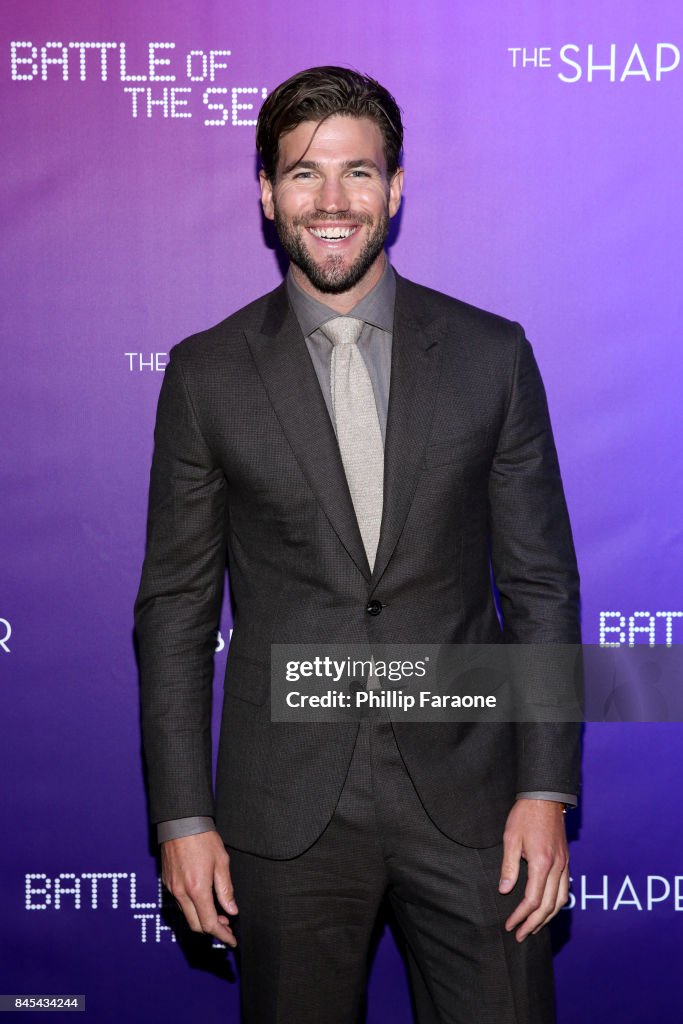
(192,869)
(535,831)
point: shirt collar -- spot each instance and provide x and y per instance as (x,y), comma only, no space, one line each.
(376,308)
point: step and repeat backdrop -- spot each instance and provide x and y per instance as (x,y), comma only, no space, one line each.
(543,169)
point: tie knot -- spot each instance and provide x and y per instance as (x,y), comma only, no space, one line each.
(343,330)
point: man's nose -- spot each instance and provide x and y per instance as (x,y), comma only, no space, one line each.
(331,196)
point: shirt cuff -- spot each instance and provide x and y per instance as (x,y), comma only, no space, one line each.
(569,799)
(178,828)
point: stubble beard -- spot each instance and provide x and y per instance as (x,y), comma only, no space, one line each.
(331,277)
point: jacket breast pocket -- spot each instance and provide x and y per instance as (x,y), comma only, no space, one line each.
(467,448)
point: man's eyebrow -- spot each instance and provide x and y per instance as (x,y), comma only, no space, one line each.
(315,165)
(349,165)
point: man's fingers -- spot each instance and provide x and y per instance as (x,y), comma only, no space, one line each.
(222,884)
(201,897)
(201,916)
(533,893)
(563,891)
(509,869)
(189,912)
(560,900)
(541,907)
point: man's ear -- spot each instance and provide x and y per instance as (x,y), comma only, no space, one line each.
(266,195)
(395,191)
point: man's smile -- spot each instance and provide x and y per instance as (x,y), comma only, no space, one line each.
(333,233)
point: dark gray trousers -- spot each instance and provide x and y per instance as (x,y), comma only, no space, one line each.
(305,924)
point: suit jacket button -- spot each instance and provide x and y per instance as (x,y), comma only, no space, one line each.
(373,607)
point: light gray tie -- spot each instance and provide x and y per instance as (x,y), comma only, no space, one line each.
(357,425)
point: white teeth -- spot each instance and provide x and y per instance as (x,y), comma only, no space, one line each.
(330,233)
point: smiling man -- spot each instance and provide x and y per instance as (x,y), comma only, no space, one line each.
(367,451)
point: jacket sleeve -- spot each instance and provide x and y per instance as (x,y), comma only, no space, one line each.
(535,572)
(178,606)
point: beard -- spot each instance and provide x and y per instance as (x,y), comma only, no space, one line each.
(331,276)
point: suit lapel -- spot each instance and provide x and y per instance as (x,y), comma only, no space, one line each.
(284,364)
(415,369)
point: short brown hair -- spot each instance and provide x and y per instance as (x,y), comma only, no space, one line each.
(319,93)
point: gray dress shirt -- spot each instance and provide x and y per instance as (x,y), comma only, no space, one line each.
(376,309)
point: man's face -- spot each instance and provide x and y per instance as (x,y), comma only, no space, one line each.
(331,201)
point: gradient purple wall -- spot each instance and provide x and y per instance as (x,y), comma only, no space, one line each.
(535,188)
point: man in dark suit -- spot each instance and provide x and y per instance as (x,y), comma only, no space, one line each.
(366,451)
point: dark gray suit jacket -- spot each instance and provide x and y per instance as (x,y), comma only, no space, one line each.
(246,465)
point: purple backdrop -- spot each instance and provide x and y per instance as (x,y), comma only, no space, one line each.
(543,169)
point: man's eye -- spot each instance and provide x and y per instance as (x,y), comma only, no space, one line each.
(359,174)
(303,174)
